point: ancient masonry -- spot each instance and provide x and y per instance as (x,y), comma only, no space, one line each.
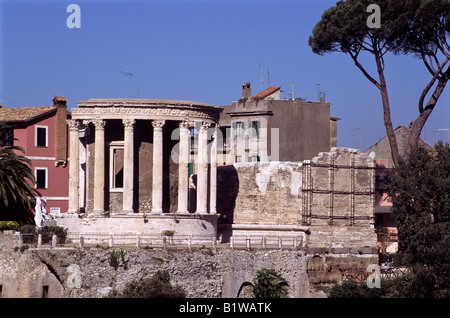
(311,221)
(71,272)
(327,201)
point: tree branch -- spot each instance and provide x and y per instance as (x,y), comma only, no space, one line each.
(367,75)
(431,64)
(424,59)
(430,84)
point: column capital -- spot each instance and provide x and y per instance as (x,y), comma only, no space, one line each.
(73,123)
(158,124)
(205,126)
(99,123)
(128,123)
(184,125)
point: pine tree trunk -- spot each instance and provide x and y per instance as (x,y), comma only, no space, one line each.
(426,112)
(390,133)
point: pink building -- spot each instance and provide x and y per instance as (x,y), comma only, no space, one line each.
(42,132)
(384,222)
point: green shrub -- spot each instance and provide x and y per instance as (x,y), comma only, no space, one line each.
(390,288)
(27,228)
(115,257)
(49,230)
(350,289)
(57,230)
(8,225)
(269,284)
(158,286)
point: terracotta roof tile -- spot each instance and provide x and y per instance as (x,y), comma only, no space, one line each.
(266,92)
(23,114)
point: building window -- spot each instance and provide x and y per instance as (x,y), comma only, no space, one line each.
(254,158)
(238,158)
(41,175)
(41,139)
(255,126)
(116,153)
(238,129)
(9,136)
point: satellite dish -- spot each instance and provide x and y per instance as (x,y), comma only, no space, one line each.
(372,155)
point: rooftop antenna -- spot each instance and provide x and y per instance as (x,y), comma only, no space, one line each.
(126,74)
(293,91)
(261,75)
(321,94)
(298,94)
(4,97)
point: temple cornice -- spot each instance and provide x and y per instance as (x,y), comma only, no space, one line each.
(145,109)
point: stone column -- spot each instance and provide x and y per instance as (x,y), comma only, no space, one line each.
(82,162)
(128,165)
(99,166)
(202,170)
(74,172)
(157,184)
(213,174)
(183,168)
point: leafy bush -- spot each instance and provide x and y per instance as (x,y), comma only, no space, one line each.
(352,289)
(403,286)
(269,284)
(420,190)
(57,230)
(158,286)
(115,257)
(8,225)
(23,248)
(49,230)
(27,228)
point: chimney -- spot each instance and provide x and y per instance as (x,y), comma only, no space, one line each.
(60,103)
(246,91)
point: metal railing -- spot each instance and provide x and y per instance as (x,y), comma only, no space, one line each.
(385,272)
(139,240)
(42,239)
(136,240)
(266,242)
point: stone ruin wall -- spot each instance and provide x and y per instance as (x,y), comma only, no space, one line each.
(330,197)
(71,272)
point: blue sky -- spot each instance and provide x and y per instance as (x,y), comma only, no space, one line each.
(201,51)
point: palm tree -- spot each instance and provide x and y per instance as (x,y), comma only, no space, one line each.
(16,177)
